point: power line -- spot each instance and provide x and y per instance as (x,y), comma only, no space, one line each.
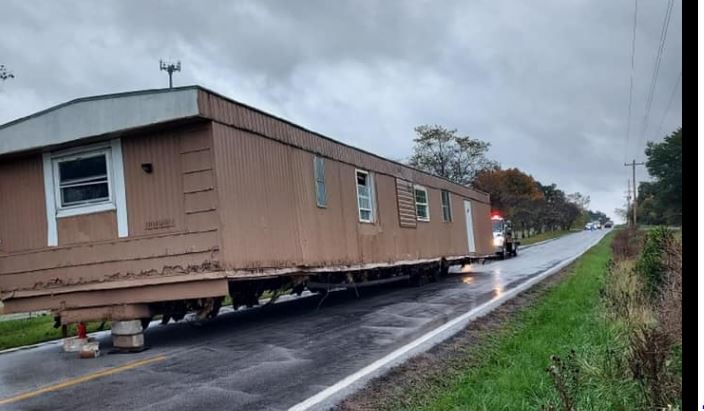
(669,103)
(633,164)
(630,90)
(656,70)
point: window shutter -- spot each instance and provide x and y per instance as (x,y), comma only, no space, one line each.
(406,203)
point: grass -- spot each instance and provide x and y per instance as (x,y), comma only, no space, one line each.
(511,370)
(16,333)
(548,235)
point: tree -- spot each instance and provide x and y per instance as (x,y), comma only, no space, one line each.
(580,200)
(622,212)
(660,201)
(442,152)
(513,193)
(4,73)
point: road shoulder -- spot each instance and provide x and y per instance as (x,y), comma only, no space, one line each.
(417,381)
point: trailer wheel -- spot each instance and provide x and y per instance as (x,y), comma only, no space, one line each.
(417,280)
(145,322)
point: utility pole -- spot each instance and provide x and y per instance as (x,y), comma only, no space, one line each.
(170,68)
(628,199)
(633,165)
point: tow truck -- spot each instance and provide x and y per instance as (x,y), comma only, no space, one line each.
(504,243)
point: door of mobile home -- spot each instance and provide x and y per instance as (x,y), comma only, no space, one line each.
(470,226)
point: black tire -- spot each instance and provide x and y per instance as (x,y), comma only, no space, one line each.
(145,322)
(417,280)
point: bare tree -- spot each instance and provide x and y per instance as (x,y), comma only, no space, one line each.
(5,73)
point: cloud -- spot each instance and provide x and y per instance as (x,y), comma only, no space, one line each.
(546,82)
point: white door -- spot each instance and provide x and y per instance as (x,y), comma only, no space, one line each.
(470,226)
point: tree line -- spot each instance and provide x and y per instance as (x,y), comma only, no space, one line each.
(660,200)
(533,207)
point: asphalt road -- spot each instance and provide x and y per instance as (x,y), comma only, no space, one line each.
(267,358)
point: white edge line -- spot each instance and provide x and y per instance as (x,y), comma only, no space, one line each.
(475,312)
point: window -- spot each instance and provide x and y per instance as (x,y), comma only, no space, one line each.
(446,210)
(321,195)
(421,197)
(82,180)
(365,196)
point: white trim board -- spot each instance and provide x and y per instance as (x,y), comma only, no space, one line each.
(119,187)
(50,202)
(116,184)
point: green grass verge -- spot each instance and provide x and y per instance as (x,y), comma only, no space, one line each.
(508,371)
(16,333)
(544,236)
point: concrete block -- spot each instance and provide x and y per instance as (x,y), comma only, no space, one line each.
(130,327)
(74,344)
(90,349)
(128,341)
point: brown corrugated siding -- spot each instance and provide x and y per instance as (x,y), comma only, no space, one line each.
(22,209)
(87,228)
(270,218)
(154,201)
(251,120)
(172,218)
(483,238)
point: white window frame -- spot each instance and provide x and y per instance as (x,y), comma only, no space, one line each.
(86,208)
(324,203)
(449,206)
(372,195)
(427,203)
(116,187)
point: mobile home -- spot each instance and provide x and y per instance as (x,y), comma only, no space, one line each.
(128,205)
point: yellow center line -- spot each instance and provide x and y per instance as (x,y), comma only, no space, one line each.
(82,379)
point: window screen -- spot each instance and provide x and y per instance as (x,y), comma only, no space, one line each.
(421,196)
(321,195)
(365,202)
(446,210)
(83,180)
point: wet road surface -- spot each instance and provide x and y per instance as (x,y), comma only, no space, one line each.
(268,358)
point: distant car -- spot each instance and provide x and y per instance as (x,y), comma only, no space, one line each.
(608,224)
(589,226)
(598,226)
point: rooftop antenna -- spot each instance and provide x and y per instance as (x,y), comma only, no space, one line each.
(170,67)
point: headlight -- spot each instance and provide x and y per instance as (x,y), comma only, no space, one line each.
(498,241)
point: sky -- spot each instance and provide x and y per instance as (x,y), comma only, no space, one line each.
(545,82)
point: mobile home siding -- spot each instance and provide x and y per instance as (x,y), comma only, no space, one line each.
(22,211)
(173,224)
(248,119)
(271,218)
(231,193)
(87,228)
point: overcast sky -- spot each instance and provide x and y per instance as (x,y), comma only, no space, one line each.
(544,81)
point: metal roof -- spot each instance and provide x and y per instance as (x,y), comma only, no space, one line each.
(94,116)
(110,113)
